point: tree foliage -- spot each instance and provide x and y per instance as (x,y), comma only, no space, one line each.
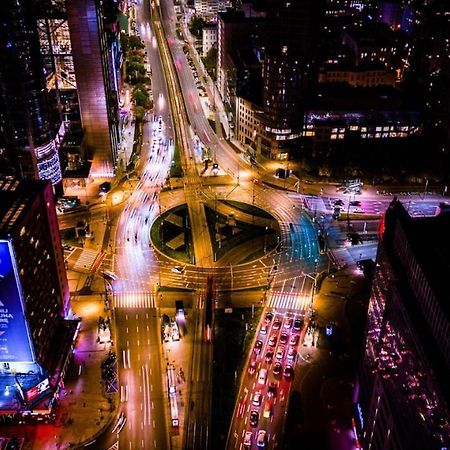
(196,26)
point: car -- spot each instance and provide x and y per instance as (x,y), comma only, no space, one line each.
(288,372)
(268,318)
(358,210)
(177,269)
(258,346)
(262,377)
(280,353)
(248,439)
(277,368)
(267,411)
(298,324)
(292,353)
(269,356)
(283,338)
(263,329)
(355,203)
(276,324)
(252,368)
(261,439)
(254,418)
(257,398)
(338,202)
(273,340)
(288,323)
(294,340)
(272,391)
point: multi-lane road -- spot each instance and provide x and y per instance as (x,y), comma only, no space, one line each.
(288,270)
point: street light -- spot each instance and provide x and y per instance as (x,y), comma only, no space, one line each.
(313,290)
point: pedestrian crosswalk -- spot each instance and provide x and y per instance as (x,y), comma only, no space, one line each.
(115,446)
(288,300)
(86,260)
(138,299)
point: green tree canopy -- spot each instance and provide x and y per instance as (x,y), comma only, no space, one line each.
(196,26)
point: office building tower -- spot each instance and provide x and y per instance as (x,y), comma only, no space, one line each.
(35,338)
(237,35)
(404,389)
(95,51)
(289,68)
(29,139)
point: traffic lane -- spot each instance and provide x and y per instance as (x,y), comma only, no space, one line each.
(273,424)
(142,375)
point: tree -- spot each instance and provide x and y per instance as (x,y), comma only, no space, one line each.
(141,97)
(139,112)
(210,61)
(196,26)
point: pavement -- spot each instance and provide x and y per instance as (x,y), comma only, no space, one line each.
(327,370)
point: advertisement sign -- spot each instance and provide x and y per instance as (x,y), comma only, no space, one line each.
(37,390)
(15,343)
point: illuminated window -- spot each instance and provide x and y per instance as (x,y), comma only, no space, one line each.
(364,135)
(333,136)
(385,128)
(377,135)
(341,136)
(378,129)
(334,130)
(22,231)
(354,128)
(363,129)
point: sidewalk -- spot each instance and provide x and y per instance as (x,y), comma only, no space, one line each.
(84,409)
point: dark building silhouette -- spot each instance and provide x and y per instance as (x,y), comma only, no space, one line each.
(404,389)
(292,38)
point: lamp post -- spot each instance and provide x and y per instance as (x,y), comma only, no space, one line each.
(313,290)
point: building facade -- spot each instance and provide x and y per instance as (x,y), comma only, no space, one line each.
(35,338)
(29,137)
(97,82)
(404,391)
(289,71)
(209,38)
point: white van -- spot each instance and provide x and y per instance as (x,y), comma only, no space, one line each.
(262,377)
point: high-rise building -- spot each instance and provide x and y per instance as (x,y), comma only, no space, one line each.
(289,68)
(35,337)
(94,51)
(404,389)
(29,139)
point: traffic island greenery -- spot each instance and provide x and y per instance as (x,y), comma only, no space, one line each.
(164,230)
(233,236)
(233,336)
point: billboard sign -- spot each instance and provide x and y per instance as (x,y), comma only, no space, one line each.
(15,342)
(37,390)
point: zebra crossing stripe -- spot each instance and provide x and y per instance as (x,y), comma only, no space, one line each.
(134,300)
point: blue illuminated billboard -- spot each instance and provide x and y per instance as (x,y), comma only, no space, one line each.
(15,343)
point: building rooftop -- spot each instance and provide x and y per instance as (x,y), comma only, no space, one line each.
(15,198)
(341,96)
(373,34)
(429,240)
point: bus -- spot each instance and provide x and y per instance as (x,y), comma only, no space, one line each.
(171,381)
(174,411)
